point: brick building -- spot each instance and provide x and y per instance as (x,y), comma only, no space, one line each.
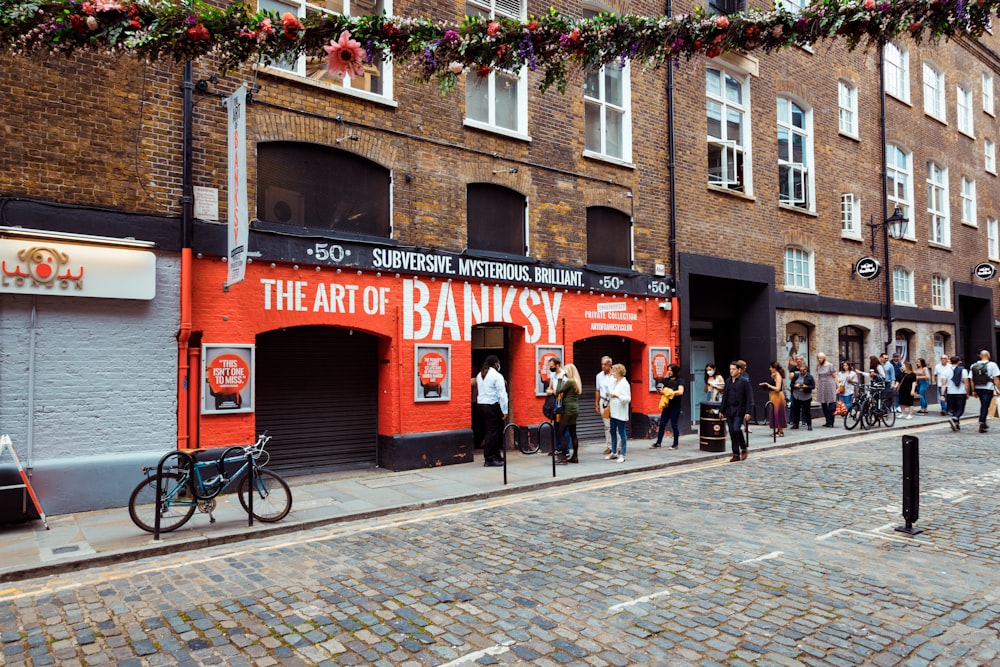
(399,236)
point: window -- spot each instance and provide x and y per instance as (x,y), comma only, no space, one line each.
(940,344)
(937,203)
(728,131)
(964,110)
(988,93)
(794,154)
(377,77)
(940,292)
(969,201)
(609,237)
(798,269)
(934,92)
(990,152)
(497,101)
(607,108)
(899,183)
(495,219)
(993,239)
(902,286)
(794,6)
(851,346)
(294,188)
(896,70)
(850,216)
(726,6)
(847,94)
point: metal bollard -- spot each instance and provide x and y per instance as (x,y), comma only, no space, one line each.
(911,485)
(552,452)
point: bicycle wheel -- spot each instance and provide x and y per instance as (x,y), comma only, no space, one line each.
(853,417)
(273,499)
(177,503)
(889,417)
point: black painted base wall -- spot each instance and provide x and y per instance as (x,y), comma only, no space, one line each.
(425,450)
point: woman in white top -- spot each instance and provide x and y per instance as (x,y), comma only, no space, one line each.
(847,378)
(621,400)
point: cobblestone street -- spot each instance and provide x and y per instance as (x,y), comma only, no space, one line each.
(788,558)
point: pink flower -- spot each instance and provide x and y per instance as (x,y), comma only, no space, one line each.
(455,67)
(723,22)
(92,23)
(345,56)
(88,8)
(870,5)
(266,27)
(104,6)
(291,26)
(493,28)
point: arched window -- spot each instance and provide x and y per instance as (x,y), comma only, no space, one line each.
(940,292)
(314,186)
(899,181)
(495,220)
(902,286)
(799,272)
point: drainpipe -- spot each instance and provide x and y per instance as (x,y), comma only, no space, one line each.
(187,389)
(885,199)
(675,332)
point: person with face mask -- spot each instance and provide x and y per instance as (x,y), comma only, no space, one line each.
(713,383)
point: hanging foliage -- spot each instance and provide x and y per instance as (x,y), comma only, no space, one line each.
(434,50)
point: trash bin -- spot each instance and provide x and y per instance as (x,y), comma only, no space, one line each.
(712,427)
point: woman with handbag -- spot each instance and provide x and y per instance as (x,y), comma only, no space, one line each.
(621,402)
(568,386)
(670,405)
(847,384)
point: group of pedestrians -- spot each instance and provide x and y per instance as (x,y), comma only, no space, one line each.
(612,400)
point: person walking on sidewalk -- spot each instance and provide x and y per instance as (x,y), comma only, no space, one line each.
(942,373)
(802,383)
(569,387)
(826,388)
(491,400)
(602,398)
(737,406)
(985,376)
(673,387)
(959,387)
(621,401)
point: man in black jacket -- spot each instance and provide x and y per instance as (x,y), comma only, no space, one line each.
(737,406)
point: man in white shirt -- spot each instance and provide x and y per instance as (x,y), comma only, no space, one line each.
(985,376)
(958,387)
(942,373)
(602,398)
(491,401)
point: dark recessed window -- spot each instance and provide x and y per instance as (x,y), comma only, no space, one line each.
(495,218)
(609,237)
(308,185)
(725,6)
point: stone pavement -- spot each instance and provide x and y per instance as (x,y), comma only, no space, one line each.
(88,539)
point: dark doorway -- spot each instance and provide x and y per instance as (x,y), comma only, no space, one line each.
(488,339)
(587,355)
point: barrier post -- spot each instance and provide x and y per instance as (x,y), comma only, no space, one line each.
(911,485)
(159,484)
(771,418)
(517,437)
(552,451)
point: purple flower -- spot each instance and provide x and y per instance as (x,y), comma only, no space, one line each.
(191,20)
(451,36)
(677,45)
(527,51)
(960,10)
(802,23)
(429,60)
(885,7)
(564,41)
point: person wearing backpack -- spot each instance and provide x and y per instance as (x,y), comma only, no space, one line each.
(959,387)
(986,382)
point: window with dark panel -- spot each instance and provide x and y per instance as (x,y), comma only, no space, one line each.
(609,237)
(322,188)
(496,219)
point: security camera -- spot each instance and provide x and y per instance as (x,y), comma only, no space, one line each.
(664,305)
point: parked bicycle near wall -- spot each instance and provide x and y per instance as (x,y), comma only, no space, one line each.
(871,406)
(189,484)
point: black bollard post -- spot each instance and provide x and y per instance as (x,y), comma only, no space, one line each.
(911,484)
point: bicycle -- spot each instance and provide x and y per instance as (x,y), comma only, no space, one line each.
(189,484)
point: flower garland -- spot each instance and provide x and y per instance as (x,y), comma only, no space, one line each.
(440,51)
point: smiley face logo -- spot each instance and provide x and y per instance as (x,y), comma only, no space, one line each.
(43,263)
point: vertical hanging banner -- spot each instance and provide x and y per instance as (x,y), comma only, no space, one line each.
(239,232)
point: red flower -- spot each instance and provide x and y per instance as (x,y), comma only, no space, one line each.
(533,25)
(713,51)
(493,28)
(291,25)
(697,45)
(79,25)
(915,26)
(574,35)
(484,70)
(135,24)
(198,32)
(721,22)
(869,5)
(390,29)
(502,50)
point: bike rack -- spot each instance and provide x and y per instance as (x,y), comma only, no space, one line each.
(771,419)
(552,437)
(517,438)
(182,457)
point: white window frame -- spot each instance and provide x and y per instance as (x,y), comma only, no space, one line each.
(847,101)
(300,9)
(963,109)
(900,177)
(988,93)
(797,257)
(607,108)
(940,292)
(902,286)
(730,146)
(939,228)
(804,168)
(794,6)
(969,203)
(990,156)
(934,93)
(850,216)
(490,9)
(993,239)
(897,70)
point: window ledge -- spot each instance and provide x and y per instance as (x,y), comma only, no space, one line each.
(941,246)
(910,304)
(341,90)
(971,224)
(901,100)
(848,135)
(801,290)
(991,172)
(503,256)
(848,236)
(607,158)
(318,233)
(970,135)
(796,209)
(994,259)
(732,193)
(945,309)
(942,121)
(486,127)
(607,268)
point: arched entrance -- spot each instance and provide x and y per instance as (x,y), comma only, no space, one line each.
(587,355)
(317,395)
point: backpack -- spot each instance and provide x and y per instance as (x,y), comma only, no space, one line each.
(980,374)
(549,407)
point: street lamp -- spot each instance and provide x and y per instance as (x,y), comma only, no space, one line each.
(895,226)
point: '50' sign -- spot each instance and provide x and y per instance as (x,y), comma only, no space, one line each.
(328,252)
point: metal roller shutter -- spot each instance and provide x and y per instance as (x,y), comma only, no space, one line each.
(587,355)
(317,395)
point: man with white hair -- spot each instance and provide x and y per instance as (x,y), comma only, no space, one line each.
(986,382)
(942,373)
(602,398)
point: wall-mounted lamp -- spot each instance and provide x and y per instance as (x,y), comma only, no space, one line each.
(352,135)
(627,195)
(510,170)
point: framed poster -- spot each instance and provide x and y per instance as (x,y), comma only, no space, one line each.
(227,379)
(542,355)
(432,374)
(659,359)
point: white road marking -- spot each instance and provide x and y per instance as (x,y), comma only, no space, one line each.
(615,608)
(498,649)
(772,555)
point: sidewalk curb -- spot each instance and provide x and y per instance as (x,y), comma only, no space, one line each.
(260,530)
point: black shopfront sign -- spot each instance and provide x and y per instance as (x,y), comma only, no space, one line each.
(868,267)
(984,270)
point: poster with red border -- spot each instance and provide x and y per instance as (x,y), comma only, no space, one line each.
(542,355)
(432,373)
(227,373)
(659,359)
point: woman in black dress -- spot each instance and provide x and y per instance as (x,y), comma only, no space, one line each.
(907,390)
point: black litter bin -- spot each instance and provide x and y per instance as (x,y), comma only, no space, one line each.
(712,429)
